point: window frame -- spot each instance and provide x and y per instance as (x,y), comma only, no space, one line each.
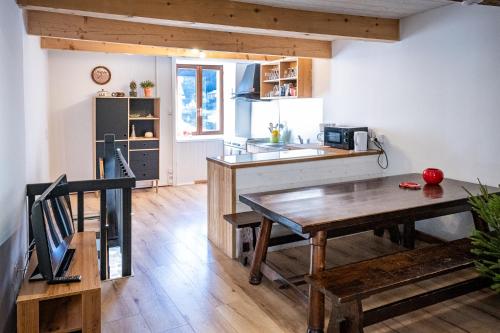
(199,96)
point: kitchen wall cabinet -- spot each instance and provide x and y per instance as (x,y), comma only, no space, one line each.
(287,78)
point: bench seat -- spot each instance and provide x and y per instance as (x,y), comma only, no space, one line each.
(244,220)
(347,285)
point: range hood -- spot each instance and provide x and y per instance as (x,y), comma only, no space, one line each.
(249,86)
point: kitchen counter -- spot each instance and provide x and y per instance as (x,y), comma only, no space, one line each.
(296,153)
(290,167)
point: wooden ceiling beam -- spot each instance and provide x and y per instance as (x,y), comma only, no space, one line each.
(485,2)
(106,47)
(47,24)
(235,14)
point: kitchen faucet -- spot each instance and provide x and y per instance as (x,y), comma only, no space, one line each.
(300,139)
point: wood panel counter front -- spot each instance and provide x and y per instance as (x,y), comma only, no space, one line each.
(230,176)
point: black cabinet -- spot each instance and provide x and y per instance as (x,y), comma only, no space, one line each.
(117,116)
(145,144)
(145,164)
(111,117)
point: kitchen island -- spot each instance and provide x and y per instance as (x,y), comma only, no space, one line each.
(230,176)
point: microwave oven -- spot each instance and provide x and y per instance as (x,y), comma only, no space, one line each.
(341,137)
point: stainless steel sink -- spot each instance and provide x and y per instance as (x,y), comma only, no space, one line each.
(276,145)
(262,147)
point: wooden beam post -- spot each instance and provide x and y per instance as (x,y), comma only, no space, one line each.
(233,14)
(93,46)
(96,29)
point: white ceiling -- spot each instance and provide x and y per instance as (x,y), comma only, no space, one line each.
(377,8)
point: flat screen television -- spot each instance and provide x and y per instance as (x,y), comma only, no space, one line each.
(52,224)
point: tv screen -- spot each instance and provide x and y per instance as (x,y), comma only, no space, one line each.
(53,230)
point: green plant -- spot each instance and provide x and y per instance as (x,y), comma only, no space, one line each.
(147,84)
(487,245)
(133,85)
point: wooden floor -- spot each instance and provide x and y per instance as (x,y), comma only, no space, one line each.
(184,284)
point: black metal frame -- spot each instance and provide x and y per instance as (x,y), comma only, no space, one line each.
(118,183)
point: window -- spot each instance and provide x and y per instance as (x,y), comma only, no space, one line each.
(200,106)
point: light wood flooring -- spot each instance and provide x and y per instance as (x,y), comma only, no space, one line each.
(182,283)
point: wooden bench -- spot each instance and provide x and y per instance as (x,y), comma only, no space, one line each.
(244,220)
(248,239)
(348,285)
(252,221)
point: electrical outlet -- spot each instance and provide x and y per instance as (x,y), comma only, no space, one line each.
(380,137)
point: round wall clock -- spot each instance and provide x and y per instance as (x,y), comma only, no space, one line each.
(101,75)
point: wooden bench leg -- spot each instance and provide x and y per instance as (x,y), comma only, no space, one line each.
(260,251)
(346,318)
(394,233)
(316,317)
(378,232)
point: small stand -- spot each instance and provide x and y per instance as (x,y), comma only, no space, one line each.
(64,307)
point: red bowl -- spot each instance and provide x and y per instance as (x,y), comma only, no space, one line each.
(433,176)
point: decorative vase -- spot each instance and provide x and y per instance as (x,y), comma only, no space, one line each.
(133,93)
(433,176)
(148,92)
(275,136)
(132,135)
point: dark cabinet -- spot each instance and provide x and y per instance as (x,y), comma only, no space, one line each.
(145,144)
(145,164)
(117,116)
(111,117)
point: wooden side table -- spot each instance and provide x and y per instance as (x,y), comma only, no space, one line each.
(64,307)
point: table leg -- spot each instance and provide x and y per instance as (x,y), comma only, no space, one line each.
(394,234)
(316,319)
(260,252)
(479,223)
(409,234)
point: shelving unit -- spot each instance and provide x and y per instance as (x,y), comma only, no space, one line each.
(73,307)
(117,115)
(301,81)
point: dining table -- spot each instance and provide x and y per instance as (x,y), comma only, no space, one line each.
(317,212)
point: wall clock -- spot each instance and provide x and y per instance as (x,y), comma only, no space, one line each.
(101,75)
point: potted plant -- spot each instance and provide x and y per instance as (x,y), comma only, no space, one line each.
(148,88)
(486,245)
(133,89)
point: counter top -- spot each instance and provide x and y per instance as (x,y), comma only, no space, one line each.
(298,153)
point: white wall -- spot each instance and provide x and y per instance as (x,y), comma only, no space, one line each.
(435,95)
(12,131)
(302,117)
(36,105)
(190,159)
(71,105)
(23,112)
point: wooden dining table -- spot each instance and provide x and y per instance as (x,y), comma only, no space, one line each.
(317,212)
